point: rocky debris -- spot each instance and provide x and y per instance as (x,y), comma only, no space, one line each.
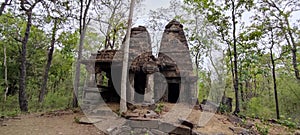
(151,114)
(297,132)
(2,123)
(113,131)
(158,132)
(208,106)
(131,114)
(150,127)
(234,119)
(248,125)
(197,133)
(239,130)
(131,106)
(186,123)
(226,105)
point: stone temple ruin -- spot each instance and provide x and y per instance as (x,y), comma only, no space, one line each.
(168,77)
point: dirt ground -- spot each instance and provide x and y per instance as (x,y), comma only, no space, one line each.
(59,123)
(64,123)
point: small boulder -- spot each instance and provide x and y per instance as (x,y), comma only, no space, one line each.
(239,130)
(151,114)
(297,132)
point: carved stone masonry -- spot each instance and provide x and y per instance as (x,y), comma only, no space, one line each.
(169,77)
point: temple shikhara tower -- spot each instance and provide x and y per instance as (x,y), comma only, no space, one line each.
(168,77)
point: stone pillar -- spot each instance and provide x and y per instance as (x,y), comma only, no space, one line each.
(193,89)
(160,87)
(149,90)
(182,91)
(130,90)
(90,78)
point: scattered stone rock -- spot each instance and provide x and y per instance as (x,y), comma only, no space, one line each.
(111,129)
(125,128)
(186,123)
(239,130)
(248,125)
(208,108)
(158,132)
(166,127)
(151,114)
(180,130)
(196,133)
(174,129)
(297,132)
(132,115)
(137,131)
(234,119)
(136,111)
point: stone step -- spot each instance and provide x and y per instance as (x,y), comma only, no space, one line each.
(91,102)
(103,112)
(91,89)
(94,89)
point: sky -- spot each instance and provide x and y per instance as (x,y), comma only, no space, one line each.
(151,5)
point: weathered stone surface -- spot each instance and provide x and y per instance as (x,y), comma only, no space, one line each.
(180,130)
(297,132)
(166,127)
(151,114)
(85,120)
(143,124)
(132,115)
(234,119)
(112,130)
(186,123)
(158,132)
(173,62)
(239,130)
(197,133)
(208,108)
(103,112)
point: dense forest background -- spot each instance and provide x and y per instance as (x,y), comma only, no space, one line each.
(249,48)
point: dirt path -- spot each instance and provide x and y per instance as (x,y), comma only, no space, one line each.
(62,123)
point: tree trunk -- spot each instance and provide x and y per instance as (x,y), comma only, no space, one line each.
(5,73)
(49,61)
(236,79)
(241,88)
(275,85)
(123,105)
(293,48)
(22,86)
(83,24)
(274,77)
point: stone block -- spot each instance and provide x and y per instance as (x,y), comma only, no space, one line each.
(158,132)
(166,127)
(143,124)
(181,131)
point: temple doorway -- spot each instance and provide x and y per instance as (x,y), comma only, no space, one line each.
(173,92)
(139,86)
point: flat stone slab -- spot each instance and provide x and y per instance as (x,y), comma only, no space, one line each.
(143,123)
(85,120)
